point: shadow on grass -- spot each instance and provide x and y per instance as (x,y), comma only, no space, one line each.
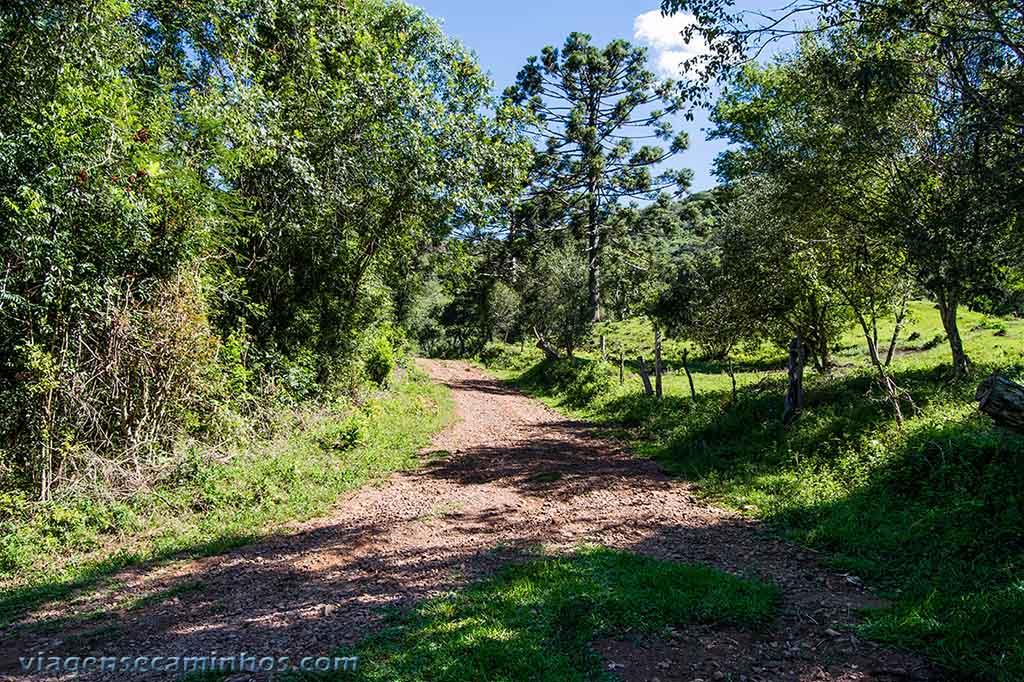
(938,523)
(536,621)
(932,511)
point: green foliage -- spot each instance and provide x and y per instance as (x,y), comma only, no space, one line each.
(494,355)
(207,210)
(504,309)
(869,143)
(578,382)
(535,621)
(380,360)
(590,106)
(210,501)
(557,307)
(928,513)
(344,435)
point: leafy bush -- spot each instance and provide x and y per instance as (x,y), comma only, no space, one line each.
(494,355)
(578,382)
(380,359)
(591,381)
(345,434)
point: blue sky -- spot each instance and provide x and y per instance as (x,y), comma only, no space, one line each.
(504,34)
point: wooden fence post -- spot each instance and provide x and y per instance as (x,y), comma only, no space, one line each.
(646,377)
(657,364)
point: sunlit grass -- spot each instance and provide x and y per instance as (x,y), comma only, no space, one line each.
(534,622)
(930,513)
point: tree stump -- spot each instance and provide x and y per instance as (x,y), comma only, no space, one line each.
(1003,400)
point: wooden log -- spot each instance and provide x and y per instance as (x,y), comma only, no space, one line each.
(648,390)
(1003,400)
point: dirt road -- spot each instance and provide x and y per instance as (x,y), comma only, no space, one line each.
(509,475)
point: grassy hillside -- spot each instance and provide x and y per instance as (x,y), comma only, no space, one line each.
(930,513)
(217,500)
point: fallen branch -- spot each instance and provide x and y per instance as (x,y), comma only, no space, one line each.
(549,352)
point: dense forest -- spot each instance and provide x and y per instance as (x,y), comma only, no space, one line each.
(213,208)
(223,222)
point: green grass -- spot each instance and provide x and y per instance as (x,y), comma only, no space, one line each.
(535,621)
(930,513)
(208,505)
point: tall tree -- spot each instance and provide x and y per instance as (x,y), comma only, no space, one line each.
(868,135)
(380,144)
(590,107)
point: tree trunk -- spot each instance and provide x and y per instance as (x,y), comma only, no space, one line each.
(892,391)
(896,333)
(594,259)
(657,364)
(622,368)
(795,393)
(593,163)
(1003,400)
(822,355)
(948,306)
(732,376)
(646,377)
(689,377)
(604,349)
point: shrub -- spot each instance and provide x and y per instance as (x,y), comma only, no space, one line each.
(589,382)
(577,381)
(345,434)
(494,356)
(380,360)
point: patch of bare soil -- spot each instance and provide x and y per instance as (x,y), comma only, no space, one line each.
(509,475)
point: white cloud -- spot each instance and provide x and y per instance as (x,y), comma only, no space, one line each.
(664,36)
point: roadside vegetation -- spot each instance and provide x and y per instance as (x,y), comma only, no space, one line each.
(928,513)
(223,224)
(211,501)
(214,219)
